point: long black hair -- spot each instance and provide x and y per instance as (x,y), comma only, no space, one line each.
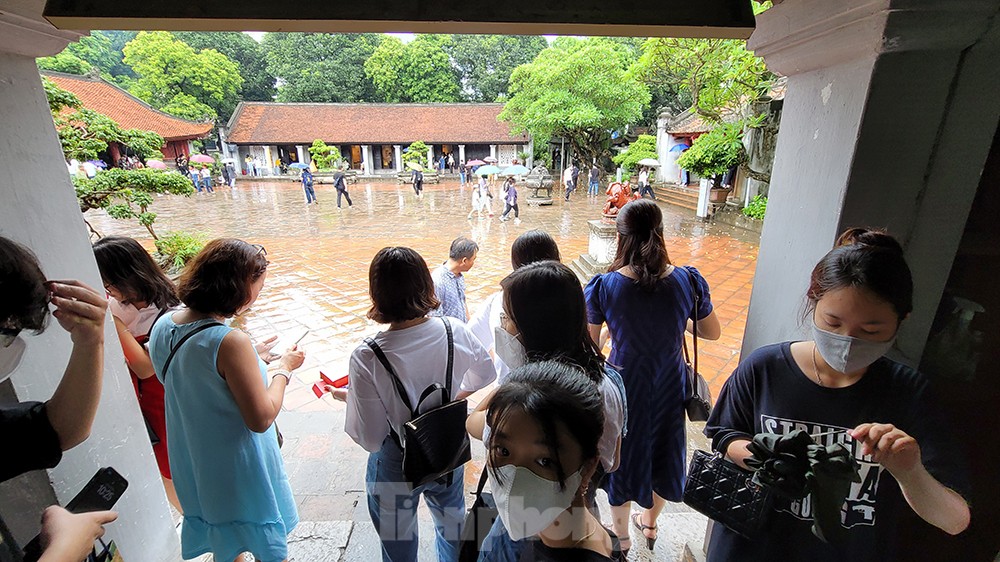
(128,267)
(555,395)
(640,242)
(534,245)
(545,300)
(869,259)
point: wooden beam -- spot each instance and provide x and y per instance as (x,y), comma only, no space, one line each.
(665,18)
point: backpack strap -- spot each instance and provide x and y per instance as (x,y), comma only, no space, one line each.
(189,335)
(400,389)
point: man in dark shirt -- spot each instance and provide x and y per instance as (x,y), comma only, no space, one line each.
(34,434)
(340,183)
(595,176)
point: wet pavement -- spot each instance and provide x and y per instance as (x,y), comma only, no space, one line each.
(317,280)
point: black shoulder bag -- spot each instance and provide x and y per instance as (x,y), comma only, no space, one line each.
(478,522)
(434,443)
(191,334)
(698,401)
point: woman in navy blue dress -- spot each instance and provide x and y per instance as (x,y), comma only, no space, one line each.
(647,304)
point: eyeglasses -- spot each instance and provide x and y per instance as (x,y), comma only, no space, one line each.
(261,250)
(8,335)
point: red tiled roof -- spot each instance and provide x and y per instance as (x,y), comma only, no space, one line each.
(688,123)
(369,123)
(126,110)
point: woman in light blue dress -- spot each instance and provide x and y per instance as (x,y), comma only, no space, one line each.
(220,410)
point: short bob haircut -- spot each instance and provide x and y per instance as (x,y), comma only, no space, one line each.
(219,278)
(532,246)
(25,302)
(400,286)
(462,247)
(128,267)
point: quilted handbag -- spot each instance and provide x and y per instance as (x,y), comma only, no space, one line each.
(721,490)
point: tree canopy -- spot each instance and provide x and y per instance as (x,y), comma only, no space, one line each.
(417,72)
(643,147)
(172,76)
(321,67)
(485,62)
(248,54)
(576,89)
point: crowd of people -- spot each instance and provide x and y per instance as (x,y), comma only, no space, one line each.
(562,420)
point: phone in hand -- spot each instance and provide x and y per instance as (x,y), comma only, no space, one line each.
(100,494)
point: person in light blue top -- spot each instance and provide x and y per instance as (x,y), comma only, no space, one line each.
(220,411)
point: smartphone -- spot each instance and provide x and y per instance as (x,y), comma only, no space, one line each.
(100,494)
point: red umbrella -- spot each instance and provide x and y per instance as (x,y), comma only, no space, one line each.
(156,164)
(475,163)
(202,159)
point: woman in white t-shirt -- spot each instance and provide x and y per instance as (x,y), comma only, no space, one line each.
(416,346)
(544,317)
(532,246)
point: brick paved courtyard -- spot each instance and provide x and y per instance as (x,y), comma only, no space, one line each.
(317,280)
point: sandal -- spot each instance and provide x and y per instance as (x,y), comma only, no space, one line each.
(650,542)
(622,550)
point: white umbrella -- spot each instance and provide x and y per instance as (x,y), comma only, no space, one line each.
(651,162)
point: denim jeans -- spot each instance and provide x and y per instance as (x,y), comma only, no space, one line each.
(310,193)
(646,188)
(498,546)
(207,182)
(594,187)
(461,177)
(393,507)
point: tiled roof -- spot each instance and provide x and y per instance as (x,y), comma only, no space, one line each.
(126,110)
(688,123)
(369,123)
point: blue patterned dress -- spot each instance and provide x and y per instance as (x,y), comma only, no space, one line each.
(646,331)
(230,480)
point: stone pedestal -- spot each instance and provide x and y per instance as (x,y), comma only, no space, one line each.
(601,251)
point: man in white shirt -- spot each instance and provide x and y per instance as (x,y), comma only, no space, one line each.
(644,186)
(568,180)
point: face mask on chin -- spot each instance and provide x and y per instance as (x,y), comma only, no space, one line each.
(527,503)
(509,348)
(846,354)
(10,357)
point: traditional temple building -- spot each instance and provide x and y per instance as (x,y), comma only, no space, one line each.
(371,136)
(129,112)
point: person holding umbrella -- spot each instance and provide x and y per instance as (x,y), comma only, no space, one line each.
(644,187)
(307,185)
(510,200)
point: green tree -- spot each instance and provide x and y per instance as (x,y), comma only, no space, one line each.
(576,89)
(100,51)
(66,62)
(248,54)
(127,194)
(484,62)
(643,147)
(167,67)
(321,67)
(715,152)
(417,72)
(323,155)
(416,153)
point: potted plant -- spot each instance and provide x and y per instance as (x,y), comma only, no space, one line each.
(713,154)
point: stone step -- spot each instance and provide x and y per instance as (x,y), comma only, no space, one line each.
(578,270)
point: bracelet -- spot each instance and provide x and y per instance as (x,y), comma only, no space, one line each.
(283,373)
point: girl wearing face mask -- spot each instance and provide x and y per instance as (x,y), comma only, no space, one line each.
(840,384)
(138,294)
(220,408)
(543,318)
(547,421)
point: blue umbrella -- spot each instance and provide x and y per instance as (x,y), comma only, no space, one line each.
(515,170)
(99,163)
(487,170)
(298,165)
(679,147)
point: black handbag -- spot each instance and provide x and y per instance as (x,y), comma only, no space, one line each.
(698,399)
(721,490)
(478,522)
(434,443)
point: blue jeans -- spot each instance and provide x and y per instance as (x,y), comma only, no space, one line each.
(393,507)
(594,187)
(207,182)
(196,180)
(498,546)
(310,194)
(461,176)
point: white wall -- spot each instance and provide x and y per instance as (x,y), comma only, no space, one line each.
(39,209)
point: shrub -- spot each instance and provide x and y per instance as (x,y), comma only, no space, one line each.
(325,156)
(416,153)
(643,147)
(756,208)
(713,153)
(175,249)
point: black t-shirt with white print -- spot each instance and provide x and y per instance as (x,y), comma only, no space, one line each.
(768,392)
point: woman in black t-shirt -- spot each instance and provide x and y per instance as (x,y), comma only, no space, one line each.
(839,385)
(547,420)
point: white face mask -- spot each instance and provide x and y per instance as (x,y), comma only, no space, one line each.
(527,503)
(10,357)
(509,348)
(846,354)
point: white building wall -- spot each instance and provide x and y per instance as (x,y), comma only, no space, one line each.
(39,209)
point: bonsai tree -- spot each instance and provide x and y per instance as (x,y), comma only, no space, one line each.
(643,147)
(325,156)
(715,152)
(417,153)
(127,194)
